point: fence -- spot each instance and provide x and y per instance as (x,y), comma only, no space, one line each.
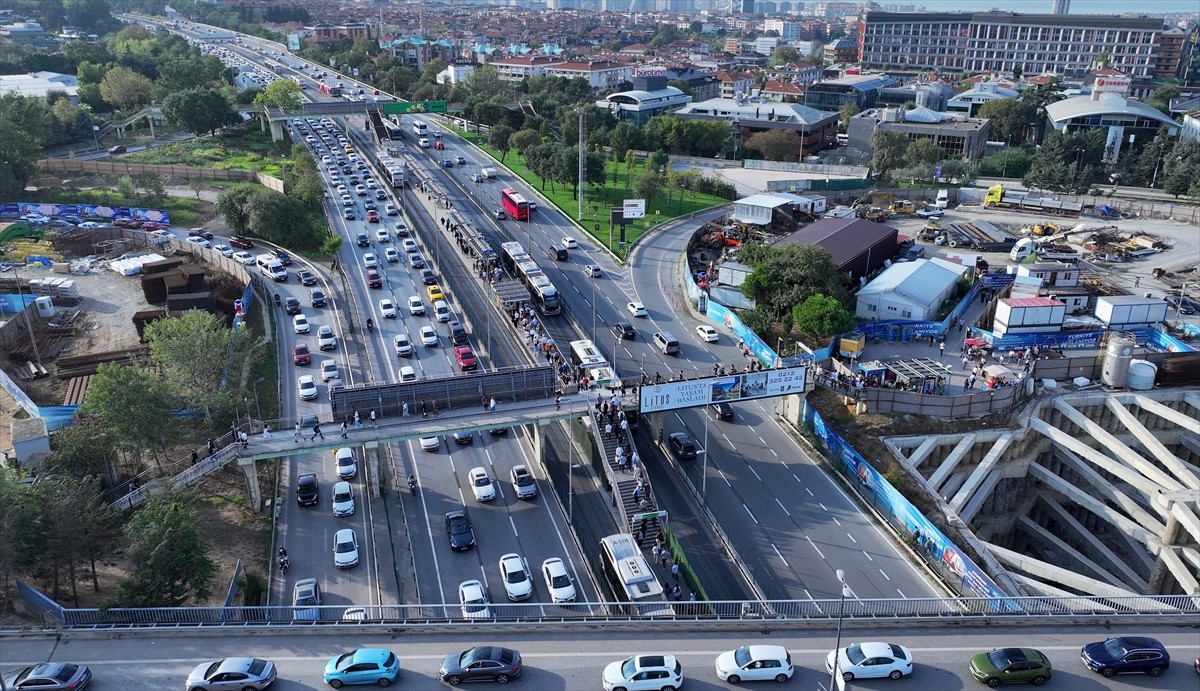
(116,167)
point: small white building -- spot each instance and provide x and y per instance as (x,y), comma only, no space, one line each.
(1029,315)
(969,101)
(759,209)
(455,73)
(910,290)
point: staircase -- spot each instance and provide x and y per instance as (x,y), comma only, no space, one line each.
(625,483)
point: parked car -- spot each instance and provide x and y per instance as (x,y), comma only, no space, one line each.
(49,675)
(643,672)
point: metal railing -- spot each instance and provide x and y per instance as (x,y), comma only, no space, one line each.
(1173,609)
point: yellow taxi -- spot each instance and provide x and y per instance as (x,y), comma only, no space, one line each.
(435,292)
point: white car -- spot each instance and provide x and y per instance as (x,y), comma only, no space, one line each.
(345,549)
(390,210)
(343,499)
(707,333)
(244,258)
(524,486)
(402,345)
(643,673)
(408,373)
(517,583)
(369,261)
(558,581)
(360,190)
(637,309)
(569,243)
(755,663)
(329,370)
(429,337)
(430,443)
(415,306)
(473,599)
(300,324)
(592,271)
(387,309)
(224,249)
(381,235)
(325,338)
(410,246)
(199,242)
(391,255)
(481,484)
(306,387)
(347,200)
(872,660)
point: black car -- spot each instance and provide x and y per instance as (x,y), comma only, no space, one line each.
(623,330)
(317,296)
(428,277)
(722,410)
(362,240)
(308,490)
(485,663)
(458,527)
(283,257)
(380,195)
(1125,654)
(463,438)
(307,278)
(291,305)
(682,446)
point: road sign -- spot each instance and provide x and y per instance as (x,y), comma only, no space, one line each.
(405,107)
(737,387)
(634,208)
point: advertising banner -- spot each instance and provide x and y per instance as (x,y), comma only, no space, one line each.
(86,210)
(699,392)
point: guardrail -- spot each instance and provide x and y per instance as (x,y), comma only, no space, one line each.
(1170,609)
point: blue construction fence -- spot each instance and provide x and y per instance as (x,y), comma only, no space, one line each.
(133,213)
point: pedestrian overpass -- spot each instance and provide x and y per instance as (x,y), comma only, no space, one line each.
(274,118)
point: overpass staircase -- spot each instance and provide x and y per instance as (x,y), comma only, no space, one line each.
(625,484)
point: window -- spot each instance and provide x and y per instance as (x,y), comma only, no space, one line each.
(870,308)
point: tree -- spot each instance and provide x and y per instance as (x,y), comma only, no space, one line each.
(1069,162)
(821,316)
(622,138)
(170,558)
(75,527)
(281,93)
(24,123)
(501,139)
(281,218)
(132,405)
(649,183)
(787,276)
(233,203)
(125,89)
(847,111)
(775,145)
(200,110)
(1181,169)
(923,152)
(889,148)
(525,140)
(81,449)
(1011,120)
(201,360)
(302,181)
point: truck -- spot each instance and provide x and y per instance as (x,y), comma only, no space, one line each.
(998,198)
(1044,249)
(488,173)
(328,90)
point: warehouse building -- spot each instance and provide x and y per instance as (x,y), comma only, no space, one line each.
(909,290)
(858,247)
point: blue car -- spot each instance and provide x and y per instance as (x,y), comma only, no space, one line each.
(348,214)
(448,163)
(1125,654)
(363,666)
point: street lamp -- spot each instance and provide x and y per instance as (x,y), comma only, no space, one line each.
(704,469)
(837,646)
(258,407)
(96,136)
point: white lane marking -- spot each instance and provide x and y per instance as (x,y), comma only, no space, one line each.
(751,514)
(756,475)
(777,553)
(867,555)
(884,574)
(814,546)
(851,538)
(785,511)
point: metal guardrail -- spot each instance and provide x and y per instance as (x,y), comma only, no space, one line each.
(1183,609)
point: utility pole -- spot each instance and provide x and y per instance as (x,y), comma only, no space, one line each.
(582,162)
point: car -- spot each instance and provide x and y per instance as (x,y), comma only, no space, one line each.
(430,443)
(306,597)
(291,305)
(755,663)
(523,483)
(1011,666)
(401,229)
(370,261)
(569,243)
(873,660)
(592,271)
(363,666)
(682,446)
(410,246)
(300,324)
(374,280)
(243,258)
(408,373)
(154,227)
(325,338)
(460,160)
(283,257)
(49,675)
(118,149)
(344,463)
(416,261)
(402,345)
(1179,304)
(435,293)
(428,277)
(125,223)
(372,216)
(429,337)
(345,549)
(474,601)
(94,224)
(306,387)
(558,581)
(391,210)
(382,237)
(721,410)
(438,146)
(308,490)
(624,330)
(362,240)
(232,674)
(200,233)
(348,214)
(637,309)
(499,214)
(465,357)
(1126,654)
(316,297)
(387,309)
(518,583)
(481,484)
(458,527)
(360,190)
(391,255)
(931,213)
(380,195)
(484,663)
(415,306)
(643,672)
(707,333)
(199,242)
(329,370)
(343,499)
(447,163)
(301,355)
(225,250)
(241,242)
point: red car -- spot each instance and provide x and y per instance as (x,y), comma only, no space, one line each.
(240,242)
(439,146)
(466,358)
(372,216)
(374,280)
(301,354)
(153,226)
(127,223)
(200,233)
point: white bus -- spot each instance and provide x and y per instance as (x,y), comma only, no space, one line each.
(630,575)
(585,354)
(420,129)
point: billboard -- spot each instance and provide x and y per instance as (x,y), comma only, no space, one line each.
(656,398)
(85,210)
(634,208)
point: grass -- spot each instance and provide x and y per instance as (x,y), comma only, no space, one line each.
(237,148)
(618,186)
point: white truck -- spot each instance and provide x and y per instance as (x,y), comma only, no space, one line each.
(1045,251)
(489,173)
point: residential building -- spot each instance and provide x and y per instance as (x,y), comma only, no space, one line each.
(817,129)
(843,50)
(931,95)
(1191,127)
(1173,53)
(734,85)
(414,52)
(600,74)
(859,90)
(857,247)
(908,290)
(455,73)
(958,136)
(329,33)
(702,85)
(1123,119)
(1068,45)
(775,90)
(787,30)
(969,101)
(650,96)
(515,69)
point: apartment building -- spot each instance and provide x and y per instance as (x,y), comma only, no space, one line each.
(600,74)
(516,68)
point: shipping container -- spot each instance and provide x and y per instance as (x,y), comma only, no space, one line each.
(1130,311)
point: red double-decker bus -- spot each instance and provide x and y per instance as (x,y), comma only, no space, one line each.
(514,205)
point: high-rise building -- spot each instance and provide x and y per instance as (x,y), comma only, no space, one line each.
(1061,7)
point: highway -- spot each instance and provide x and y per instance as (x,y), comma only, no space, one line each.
(571,660)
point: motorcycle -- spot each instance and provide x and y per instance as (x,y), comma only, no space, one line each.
(277,298)
(412,485)
(284,563)
(370,324)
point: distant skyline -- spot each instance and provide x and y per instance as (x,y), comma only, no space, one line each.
(1148,7)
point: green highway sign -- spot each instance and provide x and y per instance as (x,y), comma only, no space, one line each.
(405,107)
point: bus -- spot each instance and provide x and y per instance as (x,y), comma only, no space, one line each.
(521,266)
(514,205)
(630,576)
(585,354)
(390,169)
(420,129)
(545,295)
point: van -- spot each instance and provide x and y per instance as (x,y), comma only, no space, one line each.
(557,253)
(263,260)
(441,311)
(274,269)
(488,173)
(943,199)
(665,342)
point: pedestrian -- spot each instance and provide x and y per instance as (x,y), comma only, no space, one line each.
(677,594)
(636,461)
(244,439)
(297,431)
(437,409)
(644,505)
(195,457)
(404,410)
(637,493)
(622,465)
(675,572)
(423,414)
(624,427)
(656,551)
(492,405)
(942,348)
(317,432)
(663,557)
(373,421)
(344,428)
(212,446)
(558,401)
(357,420)
(266,432)
(607,430)
(640,537)
(620,449)
(965,361)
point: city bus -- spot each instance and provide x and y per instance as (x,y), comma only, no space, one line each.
(390,170)
(514,205)
(420,129)
(630,576)
(521,266)
(585,354)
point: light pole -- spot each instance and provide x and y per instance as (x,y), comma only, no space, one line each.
(571,472)
(96,136)
(837,646)
(704,469)
(594,311)
(258,407)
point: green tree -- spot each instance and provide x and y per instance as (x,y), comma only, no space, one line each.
(25,124)
(782,55)
(199,110)
(525,140)
(233,203)
(132,405)
(281,93)
(126,89)
(775,145)
(1011,163)
(302,180)
(200,358)
(649,184)
(1011,120)
(622,138)
(501,139)
(787,276)
(889,148)
(81,449)
(281,219)
(1181,169)
(923,151)
(1069,162)
(74,528)
(821,316)
(846,112)
(171,566)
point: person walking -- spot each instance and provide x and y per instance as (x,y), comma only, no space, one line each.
(297,431)
(195,457)
(675,572)
(608,430)
(344,428)
(663,556)
(656,551)
(374,422)
(558,401)
(624,427)
(492,405)
(437,409)
(423,413)
(212,446)
(266,432)
(357,420)
(404,410)
(317,432)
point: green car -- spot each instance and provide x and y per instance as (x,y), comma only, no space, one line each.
(1011,666)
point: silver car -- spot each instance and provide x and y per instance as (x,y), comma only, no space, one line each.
(234,673)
